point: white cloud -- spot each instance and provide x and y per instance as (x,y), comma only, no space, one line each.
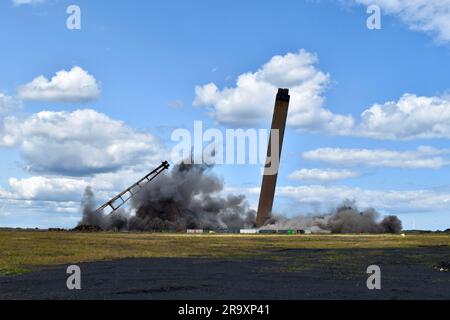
(423,157)
(323,175)
(82,142)
(381,199)
(45,189)
(250,102)
(9,131)
(41,214)
(391,201)
(70,189)
(411,117)
(76,85)
(21,2)
(429,16)
(8,105)
(48,201)
(73,150)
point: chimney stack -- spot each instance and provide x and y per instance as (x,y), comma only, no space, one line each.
(269,183)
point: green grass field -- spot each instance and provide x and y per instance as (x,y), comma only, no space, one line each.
(23,251)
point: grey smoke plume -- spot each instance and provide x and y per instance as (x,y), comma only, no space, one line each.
(346,219)
(90,217)
(188,197)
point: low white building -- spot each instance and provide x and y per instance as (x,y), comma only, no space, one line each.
(195,231)
(249,231)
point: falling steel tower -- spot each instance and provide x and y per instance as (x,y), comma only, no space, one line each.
(119,201)
(269,183)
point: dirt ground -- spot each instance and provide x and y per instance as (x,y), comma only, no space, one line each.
(291,274)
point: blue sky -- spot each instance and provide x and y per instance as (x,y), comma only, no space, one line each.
(140,69)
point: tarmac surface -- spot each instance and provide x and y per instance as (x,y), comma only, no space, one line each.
(296,274)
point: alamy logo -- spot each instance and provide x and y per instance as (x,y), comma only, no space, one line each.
(374,280)
(74,280)
(235,147)
(74,20)
(374,20)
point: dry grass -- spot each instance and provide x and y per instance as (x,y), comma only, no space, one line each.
(24,251)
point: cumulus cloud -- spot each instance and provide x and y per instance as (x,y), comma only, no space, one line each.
(45,189)
(76,85)
(411,117)
(8,105)
(11,208)
(82,142)
(323,175)
(63,189)
(429,16)
(383,199)
(393,201)
(250,101)
(70,151)
(41,214)
(422,158)
(53,201)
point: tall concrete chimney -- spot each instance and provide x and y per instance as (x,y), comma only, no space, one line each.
(269,183)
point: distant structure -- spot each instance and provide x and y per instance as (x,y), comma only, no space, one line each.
(270,180)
